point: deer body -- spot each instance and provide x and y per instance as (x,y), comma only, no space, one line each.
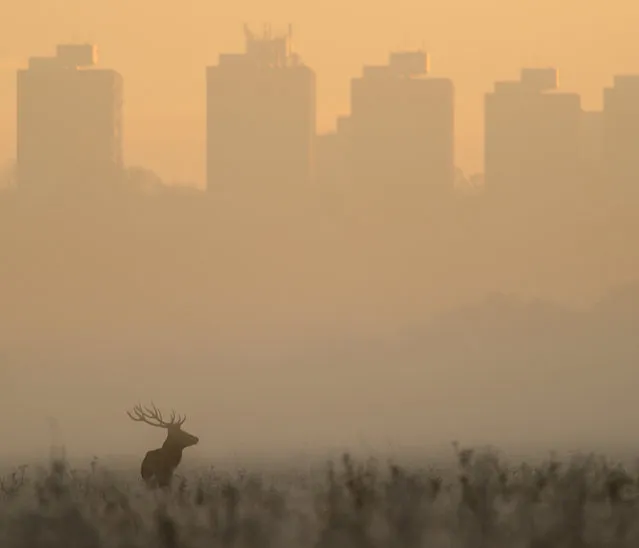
(158,465)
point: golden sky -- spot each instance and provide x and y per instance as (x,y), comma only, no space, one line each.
(162,47)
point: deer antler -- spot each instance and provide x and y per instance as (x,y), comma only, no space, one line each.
(153,417)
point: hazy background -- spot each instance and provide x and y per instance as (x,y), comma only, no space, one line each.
(309,319)
(321,321)
(161,49)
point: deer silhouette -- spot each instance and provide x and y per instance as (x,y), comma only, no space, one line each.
(159,464)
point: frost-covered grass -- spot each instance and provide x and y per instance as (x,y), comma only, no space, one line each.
(481,503)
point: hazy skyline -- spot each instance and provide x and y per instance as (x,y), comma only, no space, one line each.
(275,314)
(165,72)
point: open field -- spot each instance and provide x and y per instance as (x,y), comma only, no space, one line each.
(477,501)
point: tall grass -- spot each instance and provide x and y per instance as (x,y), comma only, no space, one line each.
(480,502)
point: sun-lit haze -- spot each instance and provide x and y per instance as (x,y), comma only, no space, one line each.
(161,49)
(285,316)
(328,335)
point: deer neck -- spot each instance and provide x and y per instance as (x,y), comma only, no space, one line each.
(173,451)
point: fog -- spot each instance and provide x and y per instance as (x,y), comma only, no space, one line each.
(385,228)
(321,322)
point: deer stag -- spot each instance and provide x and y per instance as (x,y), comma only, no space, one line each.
(159,464)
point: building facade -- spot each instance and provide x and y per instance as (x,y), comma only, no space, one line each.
(260,116)
(621,133)
(401,127)
(533,136)
(69,121)
(332,153)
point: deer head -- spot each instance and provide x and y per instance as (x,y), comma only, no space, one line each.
(175,436)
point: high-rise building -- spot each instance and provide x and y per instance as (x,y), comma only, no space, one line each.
(621,132)
(260,116)
(331,151)
(69,127)
(591,147)
(402,126)
(533,136)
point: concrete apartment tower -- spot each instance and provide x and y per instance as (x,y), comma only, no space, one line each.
(533,136)
(621,133)
(401,128)
(69,127)
(260,116)
(332,155)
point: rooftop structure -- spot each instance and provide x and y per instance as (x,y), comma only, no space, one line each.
(401,64)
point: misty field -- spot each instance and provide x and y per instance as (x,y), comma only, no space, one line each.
(479,501)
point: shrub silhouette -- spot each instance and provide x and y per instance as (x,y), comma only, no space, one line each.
(479,501)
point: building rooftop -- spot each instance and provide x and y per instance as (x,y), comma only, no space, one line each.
(626,81)
(532,80)
(401,64)
(267,49)
(73,56)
